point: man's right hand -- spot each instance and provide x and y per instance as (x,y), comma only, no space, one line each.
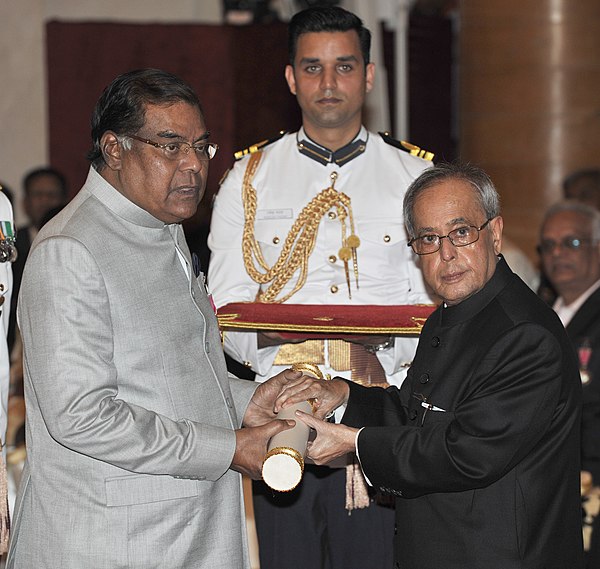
(251,446)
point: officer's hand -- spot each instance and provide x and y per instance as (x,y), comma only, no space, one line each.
(266,339)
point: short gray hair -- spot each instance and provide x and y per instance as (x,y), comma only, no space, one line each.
(577,207)
(486,192)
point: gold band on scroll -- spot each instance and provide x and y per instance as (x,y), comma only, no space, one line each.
(292,453)
(308,369)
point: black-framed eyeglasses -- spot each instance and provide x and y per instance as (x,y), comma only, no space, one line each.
(547,246)
(459,237)
(175,149)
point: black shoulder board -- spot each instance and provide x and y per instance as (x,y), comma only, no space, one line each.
(255,147)
(407,147)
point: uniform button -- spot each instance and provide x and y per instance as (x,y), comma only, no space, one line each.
(332,258)
(229,403)
(413,415)
(333,289)
(435,342)
(332,215)
(386,238)
(1,286)
(276,240)
(207,347)
(424,378)
(395,529)
(247,363)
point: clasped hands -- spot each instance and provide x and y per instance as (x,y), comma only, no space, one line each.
(261,423)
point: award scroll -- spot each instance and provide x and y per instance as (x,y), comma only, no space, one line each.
(283,465)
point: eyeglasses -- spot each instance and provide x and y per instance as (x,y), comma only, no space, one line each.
(174,150)
(459,237)
(547,246)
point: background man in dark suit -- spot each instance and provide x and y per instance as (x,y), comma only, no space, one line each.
(481,442)
(44,189)
(570,252)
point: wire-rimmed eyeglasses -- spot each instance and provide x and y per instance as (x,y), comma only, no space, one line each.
(173,150)
(547,246)
(459,237)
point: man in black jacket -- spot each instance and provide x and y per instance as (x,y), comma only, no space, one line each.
(481,443)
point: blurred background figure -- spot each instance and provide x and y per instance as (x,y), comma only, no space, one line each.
(7,256)
(570,254)
(44,188)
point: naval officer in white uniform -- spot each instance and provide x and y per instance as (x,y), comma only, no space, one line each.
(331,196)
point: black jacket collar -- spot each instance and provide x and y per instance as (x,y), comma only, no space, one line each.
(465,310)
(325,156)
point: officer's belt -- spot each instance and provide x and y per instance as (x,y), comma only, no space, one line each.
(364,366)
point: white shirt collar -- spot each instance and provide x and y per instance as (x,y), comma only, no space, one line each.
(567,311)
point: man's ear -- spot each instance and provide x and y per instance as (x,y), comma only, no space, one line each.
(291,80)
(496,226)
(369,77)
(111,150)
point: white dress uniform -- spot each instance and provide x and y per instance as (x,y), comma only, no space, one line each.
(286,180)
(310,527)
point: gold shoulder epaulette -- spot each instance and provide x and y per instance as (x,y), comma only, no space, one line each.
(258,146)
(407,147)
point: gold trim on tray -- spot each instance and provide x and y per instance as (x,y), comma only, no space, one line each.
(322,324)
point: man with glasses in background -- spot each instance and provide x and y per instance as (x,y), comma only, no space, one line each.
(480,445)
(570,253)
(136,436)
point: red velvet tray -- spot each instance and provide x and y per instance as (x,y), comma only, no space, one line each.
(325,319)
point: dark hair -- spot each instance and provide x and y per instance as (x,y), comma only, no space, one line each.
(122,106)
(486,192)
(327,19)
(45,171)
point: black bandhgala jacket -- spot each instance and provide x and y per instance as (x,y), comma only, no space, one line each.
(481,442)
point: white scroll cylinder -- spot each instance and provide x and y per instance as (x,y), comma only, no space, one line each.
(283,465)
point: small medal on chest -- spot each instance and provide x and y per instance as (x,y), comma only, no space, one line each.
(585,353)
